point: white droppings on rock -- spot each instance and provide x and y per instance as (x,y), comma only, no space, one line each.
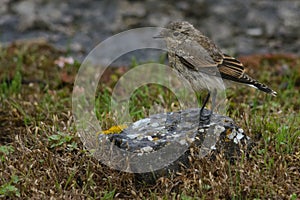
(141,123)
(132,136)
(149,138)
(240,136)
(155,124)
(201,130)
(232,134)
(146,149)
(236,140)
(182,142)
(218,130)
(254,31)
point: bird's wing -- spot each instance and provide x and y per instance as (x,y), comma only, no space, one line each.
(195,57)
(230,68)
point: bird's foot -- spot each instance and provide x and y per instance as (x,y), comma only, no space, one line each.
(204,119)
(204,115)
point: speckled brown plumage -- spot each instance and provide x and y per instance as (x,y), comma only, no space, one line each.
(192,54)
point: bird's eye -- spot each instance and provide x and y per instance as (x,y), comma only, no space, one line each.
(175,33)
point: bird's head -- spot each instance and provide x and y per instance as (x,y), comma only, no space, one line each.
(177,31)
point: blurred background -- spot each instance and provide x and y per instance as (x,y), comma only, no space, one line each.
(238,27)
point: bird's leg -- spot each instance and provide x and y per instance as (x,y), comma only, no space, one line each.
(205,118)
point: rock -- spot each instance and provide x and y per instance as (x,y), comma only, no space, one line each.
(180,131)
(26,12)
(4,7)
(254,31)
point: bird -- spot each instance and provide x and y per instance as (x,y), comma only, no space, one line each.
(196,57)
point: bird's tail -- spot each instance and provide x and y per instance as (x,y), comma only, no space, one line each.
(254,83)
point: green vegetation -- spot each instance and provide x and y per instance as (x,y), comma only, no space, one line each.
(8,189)
(41,155)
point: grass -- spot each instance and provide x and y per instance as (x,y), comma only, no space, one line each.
(41,155)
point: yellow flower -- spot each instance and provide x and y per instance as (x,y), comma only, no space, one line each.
(115,129)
